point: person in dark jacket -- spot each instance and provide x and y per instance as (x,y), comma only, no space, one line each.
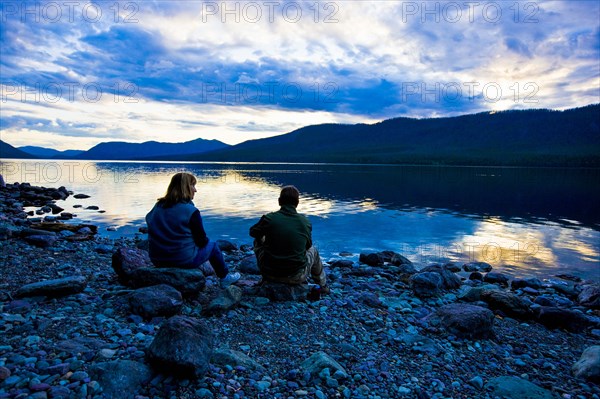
(283,244)
(176,235)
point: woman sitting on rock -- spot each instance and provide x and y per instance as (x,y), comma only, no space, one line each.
(176,235)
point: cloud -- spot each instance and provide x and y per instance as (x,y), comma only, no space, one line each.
(347,61)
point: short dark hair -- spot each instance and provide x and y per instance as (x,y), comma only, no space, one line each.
(289,196)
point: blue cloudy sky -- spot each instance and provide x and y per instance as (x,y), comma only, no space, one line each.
(76,73)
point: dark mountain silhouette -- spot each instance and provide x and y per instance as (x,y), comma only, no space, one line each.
(8,151)
(117,150)
(528,137)
(44,152)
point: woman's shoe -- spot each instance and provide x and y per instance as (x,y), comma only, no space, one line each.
(229,279)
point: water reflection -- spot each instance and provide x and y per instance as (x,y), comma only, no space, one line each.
(528,221)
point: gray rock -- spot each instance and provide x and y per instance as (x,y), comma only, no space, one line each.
(43,241)
(227,299)
(186,281)
(279,292)
(463,320)
(53,288)
(372,259)
(426,284)
(473,294)
(222,357)
(154,301)
(248,265)
(226,246)
(555,317)
(517,388)
(508,303)
(590,296)
(81,345)
(526,282)
(496,278)
(450,281)
(81,196)
(319,361)
(588,366)
(120,378)
(125,261)
(182,346)
(477,267)
(453,267)
(420,344)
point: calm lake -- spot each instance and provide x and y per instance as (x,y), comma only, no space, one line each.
(524,221)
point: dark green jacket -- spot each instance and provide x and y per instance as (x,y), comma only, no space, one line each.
(288,235)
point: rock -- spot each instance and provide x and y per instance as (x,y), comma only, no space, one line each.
(463,321)
(81,196)
(154,301)
(477,267)
(127,260)
(187,281)
(280,292)
(496,278)
(319,361)
(104,249)
(81,345)
(56,209)
(372,259)
(93,207)
(473,294)
(570,320)
(223,357)
(343,263)
(226,246)
(508,303)
(420,344)
(590,296)
(4,373)
(426,284)
(588,366)
(207,269)
(120,378)
(53,288)
(36,232)
(143,229)
(477,382)
(527,282)
(517,388)
(227,299)
(144,245)
(450,281)
(248,265)
(372,300)
(476,276)
(43,241)
(183,346)
(453,267)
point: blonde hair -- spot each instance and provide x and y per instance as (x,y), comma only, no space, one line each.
(179,190)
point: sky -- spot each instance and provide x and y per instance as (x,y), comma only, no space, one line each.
(75,73)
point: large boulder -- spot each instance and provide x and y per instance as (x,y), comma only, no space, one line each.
(187,281)
(125,261)
(450,281)
(526,282)
(42,241)
(182,346)
(507,303)
(121,378)
(517,388)
(555,317)
(227,299)
(588,366)
(463,320)
(319,361)
(53,288)
(155,301)
(473,294)
(372,259)
(496,278)
(590,296)
(426,284)
(477,267)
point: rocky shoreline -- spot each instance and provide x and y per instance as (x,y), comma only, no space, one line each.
(83,316)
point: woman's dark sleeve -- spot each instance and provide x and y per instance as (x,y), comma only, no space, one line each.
(197,228)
